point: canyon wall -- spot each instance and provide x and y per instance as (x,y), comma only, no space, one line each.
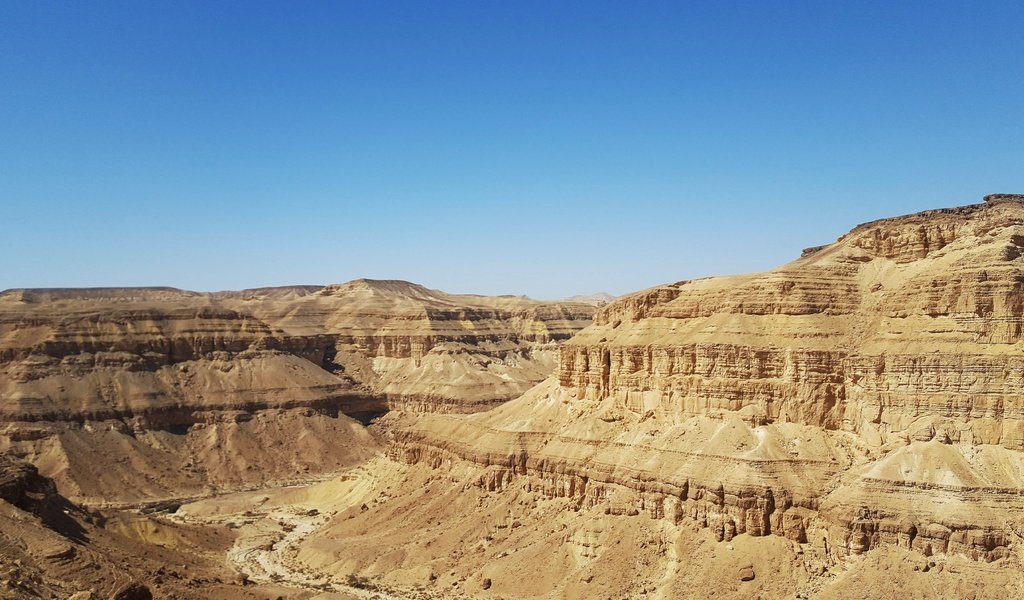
(899,322)
(151,393)
(423,349)
(867,394)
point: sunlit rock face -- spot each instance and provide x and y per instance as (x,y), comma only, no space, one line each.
(901,319)
(197,392)
(861,405)
(868,394)
(423,349)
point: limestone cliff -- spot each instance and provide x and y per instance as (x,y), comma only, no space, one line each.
(867,394)
(423,349)
(194,392)
(900,321)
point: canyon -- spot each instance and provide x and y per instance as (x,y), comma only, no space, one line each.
(132,395)
(850,424)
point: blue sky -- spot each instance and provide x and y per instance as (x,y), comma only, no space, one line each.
(539,148)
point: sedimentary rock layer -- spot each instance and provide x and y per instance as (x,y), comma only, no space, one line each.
(370,339)
(868,393)
(158,377)
(904,319)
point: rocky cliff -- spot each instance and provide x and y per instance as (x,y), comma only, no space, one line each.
(867,395)
(423,349)
(902,327)
(132,394)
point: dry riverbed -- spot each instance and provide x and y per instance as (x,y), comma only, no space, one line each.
(272,523)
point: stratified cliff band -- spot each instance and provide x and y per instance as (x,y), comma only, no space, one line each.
(870,393)
(142,394)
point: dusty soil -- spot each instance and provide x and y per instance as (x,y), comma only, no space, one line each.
(393,531)
(271,524)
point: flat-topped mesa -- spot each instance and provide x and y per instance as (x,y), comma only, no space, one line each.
(869,393)
(376,333)
(122,295)
(99,370)
(1000,198)
(902,319)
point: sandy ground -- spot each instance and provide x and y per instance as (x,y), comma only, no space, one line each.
(271,523)
(414,533)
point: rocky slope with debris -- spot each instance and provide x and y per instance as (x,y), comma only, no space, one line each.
(51,548)
(864,397)
(126,395)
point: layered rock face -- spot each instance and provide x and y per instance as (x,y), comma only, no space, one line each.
(899,322)
(865,395)
(195,392)
(423,349)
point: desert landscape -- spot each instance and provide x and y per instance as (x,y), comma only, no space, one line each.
(467,300)
(847,425)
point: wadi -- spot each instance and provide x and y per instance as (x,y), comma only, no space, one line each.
(847,425)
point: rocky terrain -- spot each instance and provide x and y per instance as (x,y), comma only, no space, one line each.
(131,395)
(850,424)
(862,401)
(50,548)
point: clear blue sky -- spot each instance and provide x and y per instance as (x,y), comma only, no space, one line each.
(539,148)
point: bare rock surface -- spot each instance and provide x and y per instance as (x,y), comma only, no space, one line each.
(850,424)
(865,398)
(51,548)
(152,394)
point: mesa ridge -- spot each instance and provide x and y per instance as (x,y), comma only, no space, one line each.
(159,376)
(850,423)
(866,395)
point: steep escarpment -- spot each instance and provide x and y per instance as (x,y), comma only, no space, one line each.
(148,393)
(864,397)
(900,320)
(423,349)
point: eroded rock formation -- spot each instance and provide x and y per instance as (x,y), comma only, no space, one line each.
(141,394)
(793,433)
(867,394)
(50,548)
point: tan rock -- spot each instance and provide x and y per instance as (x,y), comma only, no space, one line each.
(739,402)
(200,391)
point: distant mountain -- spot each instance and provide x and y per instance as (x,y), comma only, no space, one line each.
(597,299)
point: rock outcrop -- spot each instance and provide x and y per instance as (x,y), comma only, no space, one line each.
(141,394)
(51,548)
(901,320)
(868,394)
(423,349)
